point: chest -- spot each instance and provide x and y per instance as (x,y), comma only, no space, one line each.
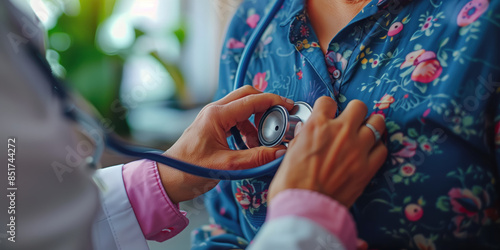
(432,79)
(411,67)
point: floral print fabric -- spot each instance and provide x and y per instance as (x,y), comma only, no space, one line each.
(432,68)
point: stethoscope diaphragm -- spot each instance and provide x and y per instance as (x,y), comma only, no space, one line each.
(277,125)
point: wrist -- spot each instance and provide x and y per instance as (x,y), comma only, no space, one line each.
(172,181)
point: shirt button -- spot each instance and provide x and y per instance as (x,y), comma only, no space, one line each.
(336,74)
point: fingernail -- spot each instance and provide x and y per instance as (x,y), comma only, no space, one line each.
(298,127)
(280,153)
(383,117)
(287,100)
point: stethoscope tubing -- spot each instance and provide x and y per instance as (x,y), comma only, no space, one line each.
(265,169)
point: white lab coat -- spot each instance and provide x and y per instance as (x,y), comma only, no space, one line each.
(116,219)
(58,205)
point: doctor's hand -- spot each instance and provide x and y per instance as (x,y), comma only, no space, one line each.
(204,142)
(333,156)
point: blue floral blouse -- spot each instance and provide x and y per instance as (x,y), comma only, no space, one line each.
(432,68)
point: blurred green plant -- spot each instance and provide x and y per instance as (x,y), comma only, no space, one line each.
(91,71)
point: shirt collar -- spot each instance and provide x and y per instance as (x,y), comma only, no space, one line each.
(292,8)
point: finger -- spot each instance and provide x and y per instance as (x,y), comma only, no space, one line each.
(237,94)
(258,156)
(298,127)
(241,109)
(248,130)
(361,244)
(367,135)
(325,107)
(354,113)
(377,157)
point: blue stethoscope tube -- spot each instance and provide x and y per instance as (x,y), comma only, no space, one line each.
(108,137)
(194,169)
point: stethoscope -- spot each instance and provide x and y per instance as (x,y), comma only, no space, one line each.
(276,126)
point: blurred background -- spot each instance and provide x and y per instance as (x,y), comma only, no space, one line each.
(147,66)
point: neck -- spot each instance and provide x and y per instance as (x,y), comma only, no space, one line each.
(344,5)
(328,17)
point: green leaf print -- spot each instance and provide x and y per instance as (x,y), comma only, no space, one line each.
(412,132)
(392,127)
(443,203)
(397,178)
(407,199)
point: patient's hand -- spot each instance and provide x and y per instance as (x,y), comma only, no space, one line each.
(336,157)
(204,142)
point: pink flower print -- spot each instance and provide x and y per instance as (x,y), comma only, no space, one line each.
(330,58)
(234,44)
(342,60)
(425,146)
(426,112)
(256,202)
(334,57)
(427,69)
(395,29)
(267,40)
(253,20)
(464,202)
(414,212)
(497,134)
(250,198)
(404,147)
(411,57)
(259,81)
(424,243)
(300,74)
(244,195)
(263,196)
(304,31)
(427,24)
(385,102)
(375,63)
(424,115)
(458,233)
(490,215)
(471,12)
(426,56)
(407,170)
(331,69)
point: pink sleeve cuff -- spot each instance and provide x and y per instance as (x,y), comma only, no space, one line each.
(318,208)
(158,217)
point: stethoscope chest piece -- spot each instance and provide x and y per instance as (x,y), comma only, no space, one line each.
(277,125)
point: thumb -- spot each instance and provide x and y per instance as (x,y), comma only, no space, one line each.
(361,244)
(258,156)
